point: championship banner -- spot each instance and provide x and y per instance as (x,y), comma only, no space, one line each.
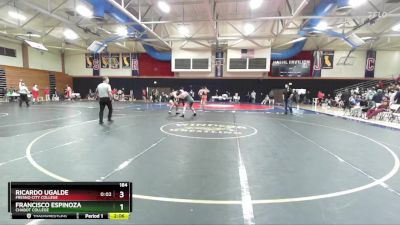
(89,60)
(105,60)
(135,64)
(126,60)
(114,61)
(96,64)
(327,59)
(219,63)
(370,64)
(317,64)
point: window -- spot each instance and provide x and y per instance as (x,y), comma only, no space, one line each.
(8,52)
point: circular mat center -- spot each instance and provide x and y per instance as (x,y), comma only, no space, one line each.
(208,130)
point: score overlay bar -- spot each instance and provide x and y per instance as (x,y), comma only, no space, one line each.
(69,200)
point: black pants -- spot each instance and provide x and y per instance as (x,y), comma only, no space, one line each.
(103,102)
(23,97)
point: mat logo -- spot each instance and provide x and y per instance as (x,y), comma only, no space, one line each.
(208,130)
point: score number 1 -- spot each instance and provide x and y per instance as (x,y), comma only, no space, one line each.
(122,194)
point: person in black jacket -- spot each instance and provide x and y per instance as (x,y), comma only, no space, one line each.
(288,98)
(346,99)
(397,96)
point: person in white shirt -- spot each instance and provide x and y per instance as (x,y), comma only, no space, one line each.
(253,97)
(103,91)
(23,93)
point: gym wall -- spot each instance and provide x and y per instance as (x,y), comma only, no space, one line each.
(35,76)
(41,60)
(386,66)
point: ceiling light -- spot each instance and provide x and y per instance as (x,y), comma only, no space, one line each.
(355,3)
(122,31)
(254,4)
(322,26)
(84,11)
(396,27)
(70,34)
(366,38)
(184,30)
(16,15)
(163,6)
(248,28)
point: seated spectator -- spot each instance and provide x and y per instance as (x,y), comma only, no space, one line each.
(375,111)
(396,99)
(378,97)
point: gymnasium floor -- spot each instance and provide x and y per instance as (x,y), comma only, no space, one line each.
(232,166)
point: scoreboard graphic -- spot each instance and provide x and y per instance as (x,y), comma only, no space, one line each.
(74,200)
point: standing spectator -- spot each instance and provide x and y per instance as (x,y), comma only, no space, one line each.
(47,94)
(23,94)
(144,94)
(236,98)
(253,97)
(248,96)
(320,97)
(288,97)
(345,98)
(307,98)
(271,96)
(114,93)
(68,93)
(105,96)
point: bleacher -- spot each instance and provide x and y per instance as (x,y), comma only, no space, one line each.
(392,114)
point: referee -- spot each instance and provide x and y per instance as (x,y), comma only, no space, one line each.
(23,94)
(103,91)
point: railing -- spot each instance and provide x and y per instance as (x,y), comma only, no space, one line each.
(367,84)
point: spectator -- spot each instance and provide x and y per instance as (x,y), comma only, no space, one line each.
(47,94)
(345,98)
(271,98)
(375,111)
(144,95)
(253,97)
(266,99)
(396,99)
(320,97)
(236,97)
(378,97)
